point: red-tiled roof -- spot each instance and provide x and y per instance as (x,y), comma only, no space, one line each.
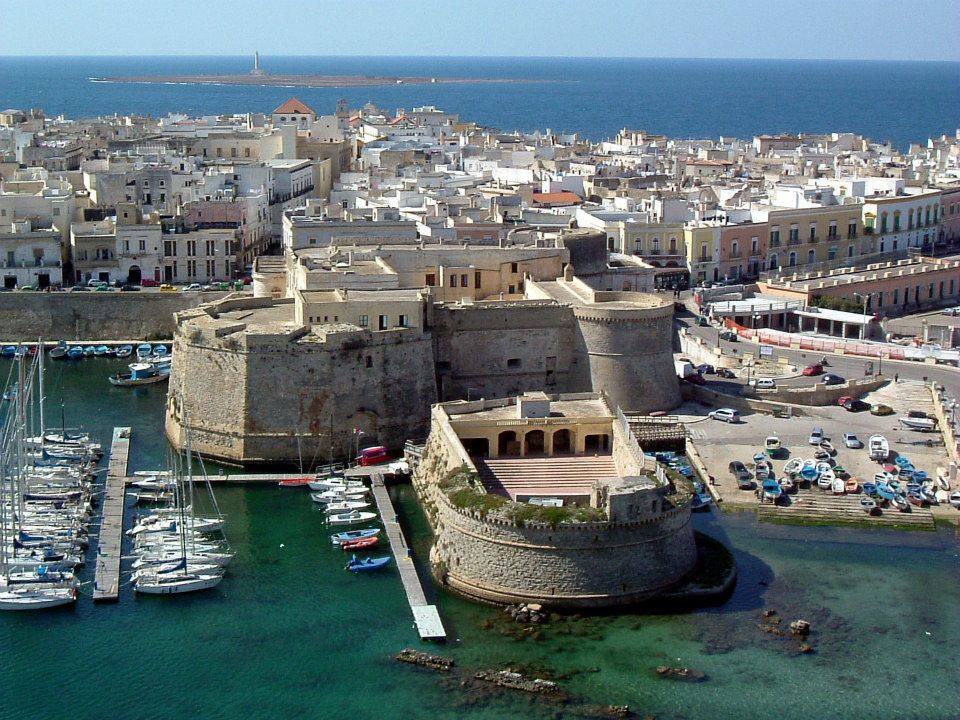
(294,106)
(556,198)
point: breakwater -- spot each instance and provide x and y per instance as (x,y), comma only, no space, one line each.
(92,316)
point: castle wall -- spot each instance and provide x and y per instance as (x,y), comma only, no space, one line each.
(503,349)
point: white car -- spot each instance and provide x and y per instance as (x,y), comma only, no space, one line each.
(193,287)
(953,312)
(852,441)
(725,414)
(764,384)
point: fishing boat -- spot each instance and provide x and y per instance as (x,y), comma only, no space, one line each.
(89,351)
(350,518)
(771,445)
(701,499)
(364,543)
(943,482)
(144,350)
(9,351)
(336,483)
(879,447)
(295,482)
(827,447)
(852,485)
(101,350)
(140,374)
(955,499)
(771,490)
(75,353)
(787,484)
(885,492)
(59,352)
(124,351)
(825,480)
(928,493)
(762,470)
(344,506)
(159,350)
(900,503)
(367,564)
(920,424)
(342,537)
(838,487)
(868,505)
(915,499)
(869,488)
(793,466)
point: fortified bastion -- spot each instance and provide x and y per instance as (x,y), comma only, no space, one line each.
(549,499)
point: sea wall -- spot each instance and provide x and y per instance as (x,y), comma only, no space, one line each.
(92,315)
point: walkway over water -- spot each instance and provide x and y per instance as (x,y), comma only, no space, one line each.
(107,582)
(425,616)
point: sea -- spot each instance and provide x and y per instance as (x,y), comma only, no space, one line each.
(896,102)
(290,634)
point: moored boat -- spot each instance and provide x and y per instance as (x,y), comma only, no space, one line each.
(852,485)
(144,350)
(900,503)
(351,518)
(124,351)
(59,352)
(364,543)
(140,374)
(347,536)
(838,487)
(367,564)
(345,506)
(793,466)
(89,351)
(295,482)
(75,353)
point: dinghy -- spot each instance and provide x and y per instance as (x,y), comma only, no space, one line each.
(350,518)
(900,503)
(793,466)
(787,484)
(868,505)
(367,564)
(364,543)
(772,490)
(852,485)
(955,499)
(838,487)
(342,537)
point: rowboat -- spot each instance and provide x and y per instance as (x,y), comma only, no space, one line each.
(342,537)
(838,487)
(364,543)
(345,506)
(772,490)
(786,484)
(793,466)
(772,445)
(879,447)
(295,482)
(900,503)
(826,480)
(827,446)
(915,499)
(885,492)
(124,351)
(367,564)
(852,485)
(955,499)
(808,470)
(350,518)
(867,504)
(870,488)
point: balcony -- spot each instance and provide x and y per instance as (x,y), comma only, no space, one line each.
(735,255)
(30,264)
(775,243)
(794,241)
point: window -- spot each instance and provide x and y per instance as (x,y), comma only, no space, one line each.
(735,250)
(754,245)
(369,361)
(793,259)
(191,248)
(852,230)
(813,232)
(910,219)
(896,296)
(794,234)
(703,252)
(191,268)
(775,236)
(175,269)
(211,269)
(246,152)
(143,246)
(928,215)
(463,280)
(169,248)
(896,221)
(514,363)
(476,279)
(402,321)
(211,247)
(382,322)
(162,183)
(513,268)
(453,280)
(883,222)
(431,279)
(832,232)
(163,197)
(364,321)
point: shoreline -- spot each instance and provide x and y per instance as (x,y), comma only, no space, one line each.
(307,81)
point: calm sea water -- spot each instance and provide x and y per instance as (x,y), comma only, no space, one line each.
(901,102)
(288,633)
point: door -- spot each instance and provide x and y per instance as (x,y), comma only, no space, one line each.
(134,276)
(43,280)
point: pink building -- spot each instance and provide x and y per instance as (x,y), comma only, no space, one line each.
(743,249)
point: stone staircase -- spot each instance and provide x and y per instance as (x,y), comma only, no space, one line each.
(816,506)
(544,476)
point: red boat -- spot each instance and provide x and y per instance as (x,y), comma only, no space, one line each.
(360,543)
(296,482)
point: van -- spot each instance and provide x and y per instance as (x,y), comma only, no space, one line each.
(374,456)
(816,436)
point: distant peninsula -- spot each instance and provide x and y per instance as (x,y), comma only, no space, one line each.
(309,81)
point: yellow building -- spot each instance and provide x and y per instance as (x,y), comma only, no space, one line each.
(804,236)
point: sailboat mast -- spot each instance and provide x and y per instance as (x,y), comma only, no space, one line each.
(43,427)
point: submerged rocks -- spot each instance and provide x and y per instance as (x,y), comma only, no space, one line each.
(800,628)
(516,681)
(681,673)
(434,662)
(531,613)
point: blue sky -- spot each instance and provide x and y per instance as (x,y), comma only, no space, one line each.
(835,29)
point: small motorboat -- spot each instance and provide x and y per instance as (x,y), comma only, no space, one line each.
(367,564)
(771,446)
(868,505)
(89,351)
(838,487)
(124,351)
(342,537)
(955,499)
(350,518)
(101,350)
(9,351)
(59,352)
(919,424)
(884,477)
(144,350)
(793,466)
(852,485)
(808,471)
(75,353)
(159,350)
(869,488)
(824,468)
(900,503)
(336,483)
(762,470)
(879,448)
(885,492)
(826,480)
(759,458)
(827,447)
(364,543)
(295,482)
(345,506)
(140,374)
(771,490)
(334,496)
(915,499)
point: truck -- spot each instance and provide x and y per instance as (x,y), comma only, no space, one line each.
(684,368)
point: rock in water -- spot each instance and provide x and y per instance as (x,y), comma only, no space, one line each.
(416,657)
(678,673)
(516,681)
(800,628)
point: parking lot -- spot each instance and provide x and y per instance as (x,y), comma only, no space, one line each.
(720,443)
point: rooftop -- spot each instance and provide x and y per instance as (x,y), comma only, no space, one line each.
(294,106)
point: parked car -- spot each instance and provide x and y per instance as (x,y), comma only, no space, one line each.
(728,415)
(696,379)
(147,282)
(764,384)
(952,312)
(726,373)
(851,404)
(166,287)
(741,474)
(851,441)
(193,287)
(728,335)
(811,370)
(816,436)
(93,282)
(881,409)
(102,288)
(77,288)
(129,288)
(702,321)
(833,380)
(706,369)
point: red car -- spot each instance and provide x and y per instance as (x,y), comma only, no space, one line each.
(815,369)
(147,282)
(844,399)
(374,456)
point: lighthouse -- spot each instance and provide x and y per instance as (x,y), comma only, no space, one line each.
(256,64)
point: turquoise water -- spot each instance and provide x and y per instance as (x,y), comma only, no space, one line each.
(288,633)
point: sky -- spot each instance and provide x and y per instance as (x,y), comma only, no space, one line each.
(817,29)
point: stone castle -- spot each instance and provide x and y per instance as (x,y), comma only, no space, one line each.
(357,345)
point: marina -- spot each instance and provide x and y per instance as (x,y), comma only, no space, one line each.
(109,549)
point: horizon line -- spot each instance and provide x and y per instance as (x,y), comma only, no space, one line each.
(487,57)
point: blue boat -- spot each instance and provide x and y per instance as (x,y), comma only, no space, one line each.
(75,353)
(367,564)
(342,537)
(89,351)
(159,350)
(885,491)
(870,488)
(772,490)
(20,351)
(701,499)
(919,475)
(901,460)
(101,350)
(9,351)
(124,351)
(144,350)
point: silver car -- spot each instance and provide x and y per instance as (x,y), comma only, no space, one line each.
(852,441)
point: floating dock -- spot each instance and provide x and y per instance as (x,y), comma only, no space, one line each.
(107,583)
(425,615)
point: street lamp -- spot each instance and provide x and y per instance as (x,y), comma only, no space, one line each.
(866,300)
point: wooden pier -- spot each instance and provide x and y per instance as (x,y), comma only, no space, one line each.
(107,583)
(425,616)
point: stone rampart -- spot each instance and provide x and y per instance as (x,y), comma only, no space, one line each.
(94,315)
